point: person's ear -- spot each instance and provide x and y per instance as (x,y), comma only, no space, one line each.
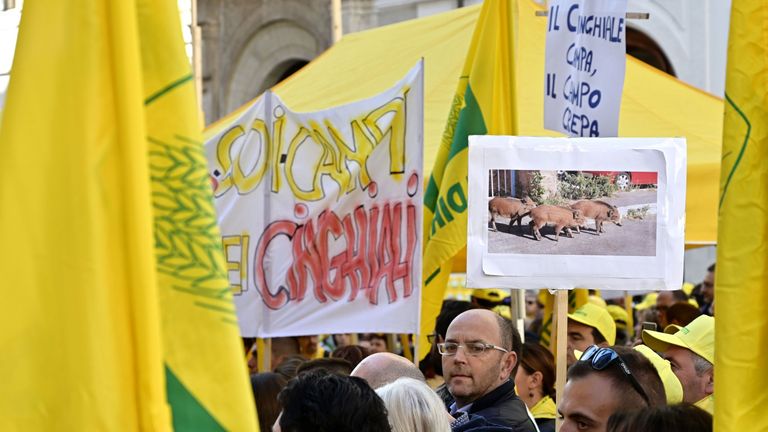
(509,363)
(709,385)
(536,379)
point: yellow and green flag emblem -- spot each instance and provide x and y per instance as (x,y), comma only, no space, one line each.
(483,104)
(741,323)
(116,311)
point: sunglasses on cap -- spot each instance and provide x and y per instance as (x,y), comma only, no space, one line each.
(601,358)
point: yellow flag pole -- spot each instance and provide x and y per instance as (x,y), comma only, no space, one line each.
(406,347)
(561,334)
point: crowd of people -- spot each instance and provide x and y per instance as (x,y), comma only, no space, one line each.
(480,376)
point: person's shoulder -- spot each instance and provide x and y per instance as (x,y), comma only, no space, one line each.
(509,412)
(545,425)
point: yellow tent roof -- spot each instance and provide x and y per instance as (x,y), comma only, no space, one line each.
(653,104)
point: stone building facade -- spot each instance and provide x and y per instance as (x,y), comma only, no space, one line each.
(250,45)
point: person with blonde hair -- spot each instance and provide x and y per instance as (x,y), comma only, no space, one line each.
(414,407)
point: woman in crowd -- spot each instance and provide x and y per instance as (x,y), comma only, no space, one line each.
(266,386)
(535,384)
(414,407)
(354,354)
(289,367)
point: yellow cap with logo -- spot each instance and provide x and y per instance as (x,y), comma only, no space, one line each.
(672,386)
(597,317)
(698,336)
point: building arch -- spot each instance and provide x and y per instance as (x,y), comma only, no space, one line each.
(644,48)
(274,51)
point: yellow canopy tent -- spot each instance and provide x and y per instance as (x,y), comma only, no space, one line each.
(653,104)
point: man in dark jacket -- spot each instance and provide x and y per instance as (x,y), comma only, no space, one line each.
(479,356)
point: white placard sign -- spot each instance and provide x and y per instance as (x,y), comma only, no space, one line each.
(584,67)
(601,213)
(321,213)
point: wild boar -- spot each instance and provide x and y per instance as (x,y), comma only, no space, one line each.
(599,211)
(512,208)
(561,217)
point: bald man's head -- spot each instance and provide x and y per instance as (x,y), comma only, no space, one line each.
(470,374)
(383,368)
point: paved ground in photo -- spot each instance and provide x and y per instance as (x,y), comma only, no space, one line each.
(633,238)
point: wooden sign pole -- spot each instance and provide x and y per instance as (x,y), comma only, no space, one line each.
(264,350)
(336,27)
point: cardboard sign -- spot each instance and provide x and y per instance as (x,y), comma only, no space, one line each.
(584,67)
(601,213)
(321,213)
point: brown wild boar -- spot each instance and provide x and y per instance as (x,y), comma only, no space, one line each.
(599,211)
(561,217)
(512,208)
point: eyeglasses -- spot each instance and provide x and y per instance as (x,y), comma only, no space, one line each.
(470,348)
(601,358)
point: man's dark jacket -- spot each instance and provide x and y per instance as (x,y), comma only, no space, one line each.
(501,407)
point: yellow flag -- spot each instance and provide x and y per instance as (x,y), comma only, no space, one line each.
(741,323)
(81,342)
(208,385)
(120,316)
(483,104)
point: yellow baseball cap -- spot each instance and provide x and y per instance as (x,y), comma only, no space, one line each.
(597,317)
(698,336)
(672,386)
(648,301)
(504,311)
(597,301)
(688,288)
(619,315)
(493,295)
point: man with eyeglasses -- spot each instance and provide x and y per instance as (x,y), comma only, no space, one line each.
(605,381)
(479,356)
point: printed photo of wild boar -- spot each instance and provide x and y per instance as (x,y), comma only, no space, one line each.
(572,212)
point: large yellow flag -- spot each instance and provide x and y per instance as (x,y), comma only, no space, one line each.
(483,104)
(115,314)
(741,292)
(208,385)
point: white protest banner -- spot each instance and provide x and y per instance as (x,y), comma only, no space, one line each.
(321,214)
(584,66)
(575,222)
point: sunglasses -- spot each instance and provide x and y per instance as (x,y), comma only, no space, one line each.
(601,358)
